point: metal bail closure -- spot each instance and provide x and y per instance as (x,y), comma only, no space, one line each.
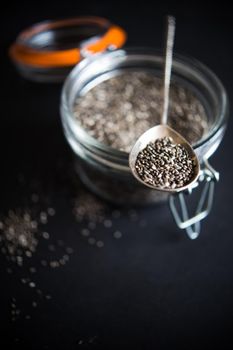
(178,205)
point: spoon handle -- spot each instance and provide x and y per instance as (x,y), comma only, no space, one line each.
(171,25)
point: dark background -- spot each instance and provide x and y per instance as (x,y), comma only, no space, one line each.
(154,288)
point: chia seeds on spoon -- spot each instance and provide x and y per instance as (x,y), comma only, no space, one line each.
(165,164)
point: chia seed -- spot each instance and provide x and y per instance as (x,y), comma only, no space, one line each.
(119,110)
(165,164)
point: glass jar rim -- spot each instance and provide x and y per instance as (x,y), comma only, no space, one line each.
(186,60)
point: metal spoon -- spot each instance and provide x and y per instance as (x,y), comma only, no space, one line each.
(163,129)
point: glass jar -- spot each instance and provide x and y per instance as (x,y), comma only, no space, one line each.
(105,170)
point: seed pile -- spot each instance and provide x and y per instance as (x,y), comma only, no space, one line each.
(165,164)
(25,230)
(22,230)
(98,221)
(89,208)
(117,111)
(18,232)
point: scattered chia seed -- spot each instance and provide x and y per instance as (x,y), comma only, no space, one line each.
(51,211)
(45,235)
(119,110)
(32,284)
(66,257)
(54,264)
(85,232)
(107,223)
(43,218)
(117,234)
(164,164)
(99,244)
(28,253)
(22,231)
(62,262)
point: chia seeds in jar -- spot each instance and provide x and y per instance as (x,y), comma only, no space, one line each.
(119,110)
(109,101)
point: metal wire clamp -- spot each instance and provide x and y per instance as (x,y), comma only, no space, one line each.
(179,208)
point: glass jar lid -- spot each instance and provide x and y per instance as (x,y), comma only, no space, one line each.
(47,51)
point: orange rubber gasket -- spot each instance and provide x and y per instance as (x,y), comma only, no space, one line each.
(21,53)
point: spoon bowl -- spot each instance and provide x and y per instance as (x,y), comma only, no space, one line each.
(151,135)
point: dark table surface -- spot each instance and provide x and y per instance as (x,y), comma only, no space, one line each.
(153,287)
